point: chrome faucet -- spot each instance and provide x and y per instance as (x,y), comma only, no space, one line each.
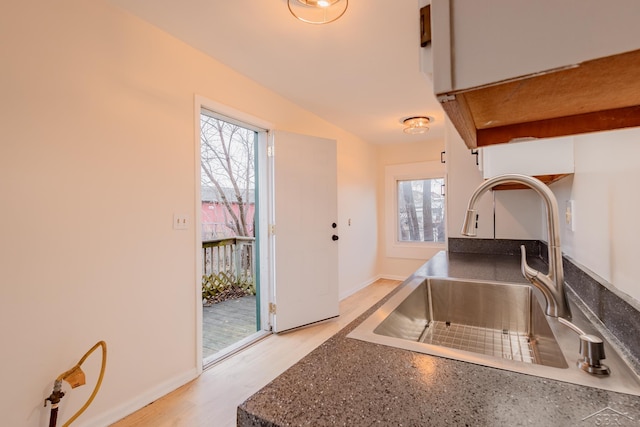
(552,284)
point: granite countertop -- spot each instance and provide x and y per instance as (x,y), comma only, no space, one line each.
(356,383)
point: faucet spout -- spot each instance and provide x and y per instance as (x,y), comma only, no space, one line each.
(551,284)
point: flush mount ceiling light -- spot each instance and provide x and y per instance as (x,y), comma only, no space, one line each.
(318,11)
(416,125)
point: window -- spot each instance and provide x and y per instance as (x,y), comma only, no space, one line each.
(415,210)
(227,178)
(420,210)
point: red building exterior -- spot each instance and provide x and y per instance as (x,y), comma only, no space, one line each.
(218,223)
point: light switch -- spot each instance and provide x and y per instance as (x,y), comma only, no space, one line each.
(180,222)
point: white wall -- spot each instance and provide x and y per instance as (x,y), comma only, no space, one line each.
(606,206)
(396,154)
(357,216)
(463,176)
(97,154)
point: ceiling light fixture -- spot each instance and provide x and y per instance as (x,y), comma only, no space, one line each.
(317,11)
(416,125)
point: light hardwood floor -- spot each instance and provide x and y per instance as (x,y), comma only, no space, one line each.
(212,398)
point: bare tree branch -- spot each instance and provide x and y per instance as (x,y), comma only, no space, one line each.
(227,163)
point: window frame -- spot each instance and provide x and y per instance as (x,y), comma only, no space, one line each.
(395,248)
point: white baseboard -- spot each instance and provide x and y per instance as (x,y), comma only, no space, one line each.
(391,277)
(140,401)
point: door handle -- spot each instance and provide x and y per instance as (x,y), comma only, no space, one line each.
(334,237)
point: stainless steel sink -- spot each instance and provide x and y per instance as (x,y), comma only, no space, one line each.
(500,320)
(501,325)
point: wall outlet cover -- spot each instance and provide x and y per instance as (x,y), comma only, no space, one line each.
(569,215)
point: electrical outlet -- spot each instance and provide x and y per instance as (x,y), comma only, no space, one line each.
(180,222)
(569,215)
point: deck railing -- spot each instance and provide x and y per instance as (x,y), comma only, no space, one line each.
(227,262)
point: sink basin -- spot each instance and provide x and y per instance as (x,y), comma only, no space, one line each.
(499,320)
(495,324)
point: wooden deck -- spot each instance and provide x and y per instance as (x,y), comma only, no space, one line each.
(226,323)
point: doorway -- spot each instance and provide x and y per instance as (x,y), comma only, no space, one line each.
(229,235)
(293,202)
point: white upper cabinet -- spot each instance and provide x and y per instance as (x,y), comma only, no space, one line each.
(520,69)
(548,159)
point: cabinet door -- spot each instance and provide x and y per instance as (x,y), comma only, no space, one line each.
(476,43)
(552,156)
(511,70)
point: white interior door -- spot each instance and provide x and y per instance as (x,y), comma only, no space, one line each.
(304,246)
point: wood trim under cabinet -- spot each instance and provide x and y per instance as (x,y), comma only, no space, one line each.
(547,179)
(597,95)
(460,115)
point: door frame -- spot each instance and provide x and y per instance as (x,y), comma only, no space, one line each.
(263,128)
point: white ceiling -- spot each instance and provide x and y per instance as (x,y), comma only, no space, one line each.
(361,73)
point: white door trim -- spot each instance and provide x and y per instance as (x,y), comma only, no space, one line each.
(201,102)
